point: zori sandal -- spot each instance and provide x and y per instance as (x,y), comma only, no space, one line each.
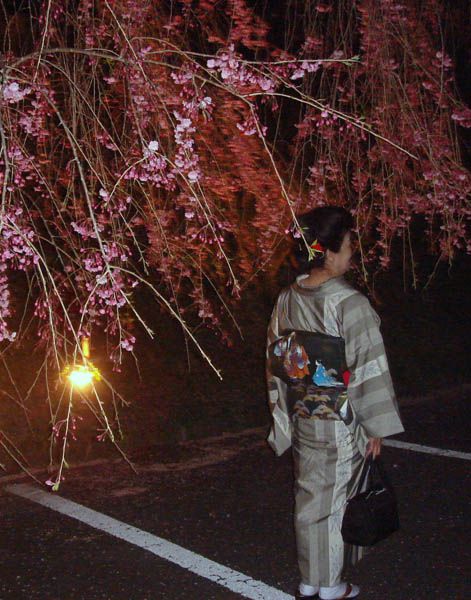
(351,591)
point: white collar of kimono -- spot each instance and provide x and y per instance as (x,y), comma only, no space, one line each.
(312,288)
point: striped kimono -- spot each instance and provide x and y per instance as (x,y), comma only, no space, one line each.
(328,454)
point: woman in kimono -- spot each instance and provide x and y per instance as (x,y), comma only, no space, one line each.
(332,420)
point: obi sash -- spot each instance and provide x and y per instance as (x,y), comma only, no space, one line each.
(314,368)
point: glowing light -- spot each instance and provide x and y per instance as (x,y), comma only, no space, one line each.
(80,376)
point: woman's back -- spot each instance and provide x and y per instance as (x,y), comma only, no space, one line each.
(316,309)
(335,308)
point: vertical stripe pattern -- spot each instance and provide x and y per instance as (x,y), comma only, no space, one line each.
(327,468)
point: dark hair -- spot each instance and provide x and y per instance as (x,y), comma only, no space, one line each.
(326,224)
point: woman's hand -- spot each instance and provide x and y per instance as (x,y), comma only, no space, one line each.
(374,447)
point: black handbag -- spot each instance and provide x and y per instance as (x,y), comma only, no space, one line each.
(371,515)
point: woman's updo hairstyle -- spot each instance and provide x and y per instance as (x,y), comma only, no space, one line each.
(326,224)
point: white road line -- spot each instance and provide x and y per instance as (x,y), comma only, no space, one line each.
(427,449)
(204,567)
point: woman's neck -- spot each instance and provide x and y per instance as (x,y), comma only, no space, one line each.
(318,277)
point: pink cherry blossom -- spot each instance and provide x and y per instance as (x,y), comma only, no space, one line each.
(12,92)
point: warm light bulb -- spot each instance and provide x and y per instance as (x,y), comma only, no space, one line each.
(81,377)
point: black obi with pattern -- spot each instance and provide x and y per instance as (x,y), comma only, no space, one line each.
(314,368)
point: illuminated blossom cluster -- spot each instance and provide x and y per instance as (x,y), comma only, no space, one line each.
(151,168)
(186,159)
(299,71)
(13,92)
(141,107)
(194,104)
(5,310)
(17,252)
(234,72)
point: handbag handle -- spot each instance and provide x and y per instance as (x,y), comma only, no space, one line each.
(365,472)
(375,468)
(378,472)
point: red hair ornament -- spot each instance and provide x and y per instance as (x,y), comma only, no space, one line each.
(316,249)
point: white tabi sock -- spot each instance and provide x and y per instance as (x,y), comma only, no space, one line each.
(308,590)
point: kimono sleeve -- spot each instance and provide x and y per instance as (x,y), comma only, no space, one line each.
(370,389)
(279,437)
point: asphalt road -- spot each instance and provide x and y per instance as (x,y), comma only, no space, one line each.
(229,499)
